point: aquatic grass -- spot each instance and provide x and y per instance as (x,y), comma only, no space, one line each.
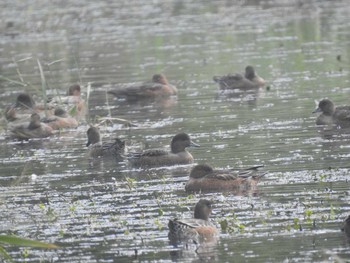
(307,215)
(79,72)
(44,82)
(43,85)
(88,91)
(109,117)
(22,242)
(20,74)
(104,120)
(158,223)
(130,182)
(13,81)
(54,76)
(296,224)
(5,255)
(49,212)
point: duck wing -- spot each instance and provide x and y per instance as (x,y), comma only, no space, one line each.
(222,175)
(228,80)
(232,175)
(235,81)
(342,113)
(148,153)
(143,90)
(155,152)
(191,222)
(115,148)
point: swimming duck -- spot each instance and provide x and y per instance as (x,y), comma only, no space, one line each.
(30,129)
(250,80)
(24,107)
(204,178)
(158,87)
(114,149)
(61,120)
(73,103)
(158,157)
(74,90)
(198,229)
(339,116)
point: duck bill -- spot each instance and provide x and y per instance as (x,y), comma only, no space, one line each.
(192,144)
(317,110)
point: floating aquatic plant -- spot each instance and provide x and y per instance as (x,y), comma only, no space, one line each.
(231,224)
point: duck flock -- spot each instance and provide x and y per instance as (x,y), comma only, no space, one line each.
(27,119)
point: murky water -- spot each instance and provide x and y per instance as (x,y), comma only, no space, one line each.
(108,212)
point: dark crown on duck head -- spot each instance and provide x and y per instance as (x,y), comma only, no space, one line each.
(34,121)
(249,72)
(60,112)
(93,136)
(326,106)
(74,90)
(201,170)
(24,100)
(203,209)
(180,142)
(160,78)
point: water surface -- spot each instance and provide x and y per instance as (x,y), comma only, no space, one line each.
(108,212)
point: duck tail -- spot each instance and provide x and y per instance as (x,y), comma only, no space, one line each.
(255,168)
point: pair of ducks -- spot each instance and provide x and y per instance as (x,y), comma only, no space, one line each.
(160,87)
(202,177)
(200,229)
(27,119)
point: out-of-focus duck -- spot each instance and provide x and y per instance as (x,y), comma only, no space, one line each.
(205,179)
(33,128)
(250,80)
(198,229)
(97,149)
(61,120)
(159,157)
(331,115)
(158,87)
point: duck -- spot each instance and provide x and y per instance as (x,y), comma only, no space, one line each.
(33,128)
(198,229)
(61,120)
(158,87)
(250,80)
(206,179)
(346,226)
(331,115)
(74,90)
(73,103)
(24,107)
(98,149)
(159,157)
